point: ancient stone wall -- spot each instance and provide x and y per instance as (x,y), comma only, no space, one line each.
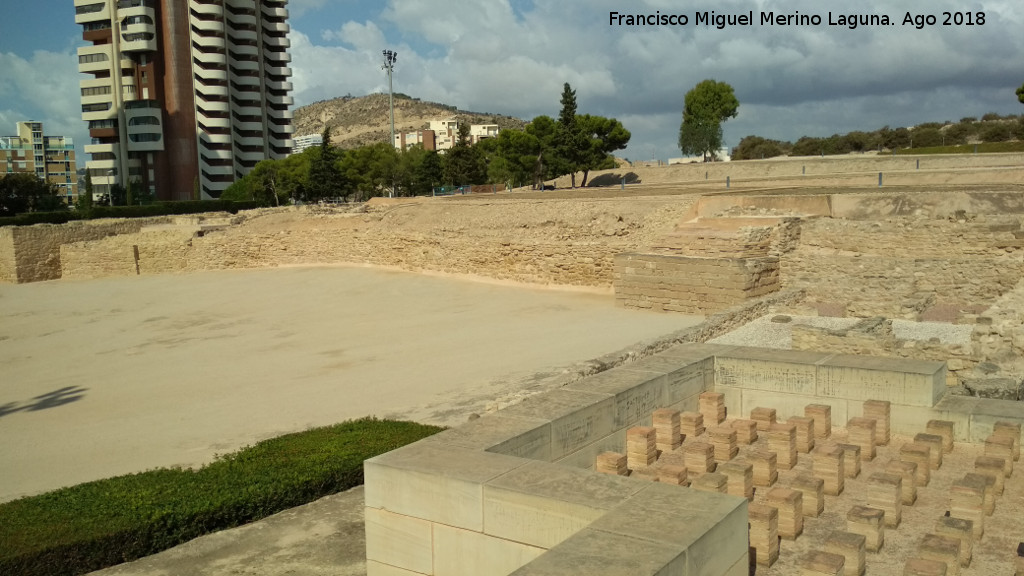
(157,251)
(8,267)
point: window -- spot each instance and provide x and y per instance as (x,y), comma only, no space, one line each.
(144,137)
(89,8)
(101,107)
(144,121)
(96,91)
(87,58)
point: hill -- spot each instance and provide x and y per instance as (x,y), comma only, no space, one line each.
(357,121)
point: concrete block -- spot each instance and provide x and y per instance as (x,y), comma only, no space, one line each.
(637,393)
(599,553)
(576,417)
(460,552)
(542,504)
(399,541)
(785,371)
(898,380)
(682,380)
(441,485)
(501,433)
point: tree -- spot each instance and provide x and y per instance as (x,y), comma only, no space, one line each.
(705,107)
(515,159)
(572,145)
(25,192)
(84,202)
(601,137)
(325,178)
(548,162)
(1020,94)
(463,164)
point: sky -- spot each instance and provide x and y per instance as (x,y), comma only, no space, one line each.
(513,56)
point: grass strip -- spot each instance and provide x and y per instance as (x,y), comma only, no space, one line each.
(91,526)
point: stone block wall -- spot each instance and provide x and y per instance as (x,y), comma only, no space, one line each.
(691,285)
(8,264)
(158,251)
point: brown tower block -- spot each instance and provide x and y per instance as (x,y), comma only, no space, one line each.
(765,467)
(862,433)
(828,466)
(878,410)
(691,425)
(782,441)
(813,490)
(712,407)
(822,415)
(612,463)
(820,563)
(884,491)
(1001,446)
(933,441)
(919,454)
(967,501)
(764,533)
(994,467)
(804,433)
(1011,429)
(790,506)
(700,457)
(960,529)
(746,431)
(667,429)
(923,567)
(989,503)
(943,549)
(723,438)
(641,447)
(908,473)
(942,428)
(764,417)
(851,547)
(868,522)
(741,478)
(851,459)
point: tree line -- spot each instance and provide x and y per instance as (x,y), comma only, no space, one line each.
(546,148)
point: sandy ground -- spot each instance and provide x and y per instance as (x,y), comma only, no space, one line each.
(106,377)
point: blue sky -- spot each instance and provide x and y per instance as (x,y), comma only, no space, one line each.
(512,57)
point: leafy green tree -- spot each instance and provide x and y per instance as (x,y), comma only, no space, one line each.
(515,159)
(370,170)
(756,148)
(84,202)
(24,192)
(601,137)
(1020,94)
(572,145)
(325,178)
(463,163)
(548,162)
(705,107)
(118,195)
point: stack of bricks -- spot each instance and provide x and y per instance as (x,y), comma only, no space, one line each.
(765,467)
(878,410)
(746,431)
(941,549)
(700,457)
(820,563)
(674,474)
(967,501)
(943,428)
(862,433)
(884,492)
(790,506)
(782,441)
(919,454)
(765,418)
(851,547)
(641,447)
(712,407)
(667,430)
(691,425)
(923,567)
(822,416)
(960,529)
(804,433)
(935,443)
(1011,430)
(649,473)
(851,459)
(1001,446)
(741,478)
(813,490)
(994,467)
(764,533)
(868,522)
(612,463)
(723,438)
(712,482)
(828,466)
(989,498)
(908,485)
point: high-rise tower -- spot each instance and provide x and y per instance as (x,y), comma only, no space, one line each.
(184,93)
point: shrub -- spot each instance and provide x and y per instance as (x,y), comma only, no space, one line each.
(90,526)
(158,209)
(996,132)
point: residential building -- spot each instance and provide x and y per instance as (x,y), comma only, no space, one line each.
(183,95)
(307,141)
(51,158)
(478,132)
(424,138)
(443,134)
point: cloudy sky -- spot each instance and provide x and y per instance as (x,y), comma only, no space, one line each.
(512,57)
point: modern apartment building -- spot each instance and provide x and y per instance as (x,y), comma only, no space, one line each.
(183,94)
(307,141)
(443,134)
(51,158)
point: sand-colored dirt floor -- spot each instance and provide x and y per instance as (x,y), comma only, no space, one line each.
(106,377)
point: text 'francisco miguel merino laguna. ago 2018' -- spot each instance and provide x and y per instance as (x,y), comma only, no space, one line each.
(851,21)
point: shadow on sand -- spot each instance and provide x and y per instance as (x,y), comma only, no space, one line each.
(59,397)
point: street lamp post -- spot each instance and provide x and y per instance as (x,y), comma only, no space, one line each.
(390,57)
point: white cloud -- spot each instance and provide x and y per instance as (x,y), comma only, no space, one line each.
(43,88)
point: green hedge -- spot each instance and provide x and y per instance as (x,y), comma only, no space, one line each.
(983,148)
(98,524)
(149,210)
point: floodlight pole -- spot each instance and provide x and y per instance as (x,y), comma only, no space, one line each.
(390,57)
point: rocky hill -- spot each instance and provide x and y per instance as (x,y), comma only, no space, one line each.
(357,121)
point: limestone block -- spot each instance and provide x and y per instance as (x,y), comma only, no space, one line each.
(460,552)
(782,441)
(851,459)
(525,437)
(879,411)
(740,478)
(829,467)
(851,547)
(601,553)
(764,533)
(862,433)
(945,429)
(994,467)
(884,492)
(576,417)
(1012,430)
(908,475)
(712,482)
(820,563)
(399,541)
(781,371)
(897,380)
(637,393)
(789,503)
(1001,446)
(919,454)
(924,567)
(868,522)
(989,502)
(587,455)
(937,446)
(967,501)
(960,529)
(813,490)
(822,416)
(941,549)
(804,433)
(685,375)
(746,431)
(374,568)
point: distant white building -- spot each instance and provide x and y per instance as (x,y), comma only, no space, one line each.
(307,141)
(723,156)
(442,135)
